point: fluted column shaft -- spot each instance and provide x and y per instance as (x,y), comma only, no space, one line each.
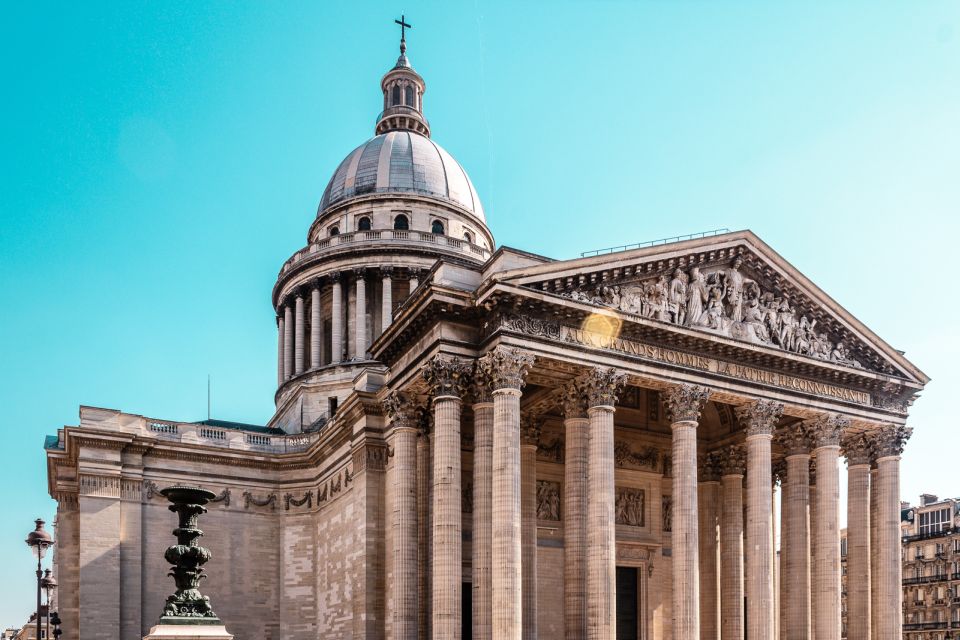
(528,537)
(287,342)
(731,557)
(826,562)
(386,311)
(404,525)
(298,345)
(858,551)
(889,568)
(447,525)
(280,336)
(336,320)
(507,554)
(360,331)
(424,533)
(601,527)
(482,520)
(684,537)
(874,556)
(316,327)
(795,550)
(709,540)
(575,492)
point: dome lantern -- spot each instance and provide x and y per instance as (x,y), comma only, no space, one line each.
(403,90)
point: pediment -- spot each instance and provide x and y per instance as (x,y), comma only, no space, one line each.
(732,286)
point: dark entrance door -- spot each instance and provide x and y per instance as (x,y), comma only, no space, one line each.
(627,604)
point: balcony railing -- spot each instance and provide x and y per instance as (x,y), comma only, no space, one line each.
(926,579)
(927,536)
(924,626)
(357,237)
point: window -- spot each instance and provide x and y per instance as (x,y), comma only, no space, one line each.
(468,237)
(363,224)
(334,231)
(396,95)
(437,227)
(934,521)
(409,97)
(401,223)
(332,406)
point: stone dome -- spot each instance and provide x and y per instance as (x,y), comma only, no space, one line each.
(402,162)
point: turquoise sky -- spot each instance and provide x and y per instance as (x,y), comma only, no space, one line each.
(161,160)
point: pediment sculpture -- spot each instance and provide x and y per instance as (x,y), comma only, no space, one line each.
(724,301)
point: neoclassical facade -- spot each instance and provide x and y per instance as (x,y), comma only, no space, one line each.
(479,442)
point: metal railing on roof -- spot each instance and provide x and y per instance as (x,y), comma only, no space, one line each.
(653,243)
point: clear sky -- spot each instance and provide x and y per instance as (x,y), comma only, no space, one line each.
(160,160)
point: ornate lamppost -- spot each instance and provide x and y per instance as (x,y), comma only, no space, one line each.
(39,541)
(187,605)
(49,584)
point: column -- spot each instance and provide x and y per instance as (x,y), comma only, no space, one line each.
(733,461)
(360,320)
(812,519)
(403,588)
(482,507)
(529,441)
(386,311)
(414,279)
(280,334)
(759,419)
(794,535)
(298,336)
(889,442)
(446,378)
(874,548)
(575,492)
(507,370)
(708,532)
(316,327)
(424,526)
(287,342)
(336,318)
(857,451)
(825,576)
(684,403)
(779,474)
(602,387)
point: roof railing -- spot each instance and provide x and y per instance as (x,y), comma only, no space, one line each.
(653,243)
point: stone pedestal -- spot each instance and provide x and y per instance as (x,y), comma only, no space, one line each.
(189,632)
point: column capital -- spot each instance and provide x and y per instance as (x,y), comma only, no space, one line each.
(386,272)
(335,276)
(733,460)
(573,400)
(685,401)
(507,367)
(359,273)
(794,439)
(858,449)
(316,284)
(530,427)
(710,467)
(825,430)
(402,411)
(601,385)
(481,384)
(759,418)
(447,376)
(889,440)
(299,294)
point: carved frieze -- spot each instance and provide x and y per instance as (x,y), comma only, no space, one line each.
(251,500)
(531,326)
(551,451)
(630,506)
(548,500)
(685,401)
(223,496)
(647,457)
(370,455)
(290,501)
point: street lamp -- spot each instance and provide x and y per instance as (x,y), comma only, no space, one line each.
(49,584)
(39,541)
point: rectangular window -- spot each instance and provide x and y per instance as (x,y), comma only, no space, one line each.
(934,521)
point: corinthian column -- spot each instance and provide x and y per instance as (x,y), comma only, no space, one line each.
(857,450)
(601,386)
(482,506)
(795,536)
(529,441)
(576,436)
(386,311)
(759,420)
(280,332)
(733,461)
(684,403)
(402,589)
(299,336)
(336,318)
(424,526)
(889,442)
(360,317)
(447,378)
(708,531)
(507,369)
(874,548)
(287,342)
(826,431)
(316,327)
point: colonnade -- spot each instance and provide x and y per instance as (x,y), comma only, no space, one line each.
(723,563)
(300,317)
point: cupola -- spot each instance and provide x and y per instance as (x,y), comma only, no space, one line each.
(403,90)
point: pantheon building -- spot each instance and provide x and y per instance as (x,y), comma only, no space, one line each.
(474,441)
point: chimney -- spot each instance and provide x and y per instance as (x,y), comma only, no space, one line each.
(927,498)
